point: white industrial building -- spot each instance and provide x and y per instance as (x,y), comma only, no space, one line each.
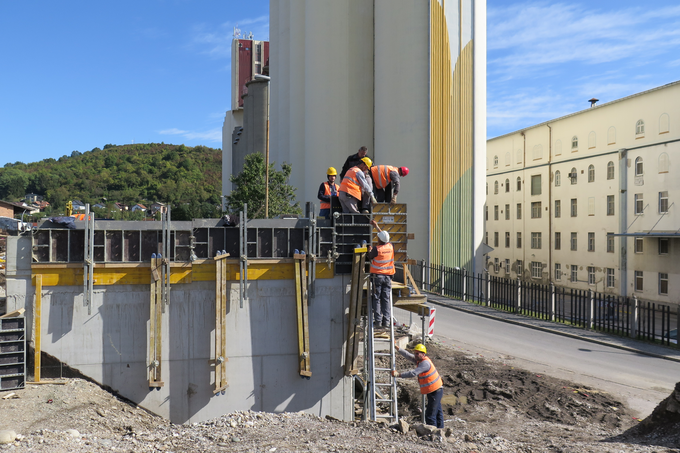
(587,201)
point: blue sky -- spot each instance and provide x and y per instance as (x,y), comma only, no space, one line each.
(76,75)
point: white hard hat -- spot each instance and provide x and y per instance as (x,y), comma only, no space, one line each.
(384,236)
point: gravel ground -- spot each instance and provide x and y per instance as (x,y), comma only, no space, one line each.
(489,407)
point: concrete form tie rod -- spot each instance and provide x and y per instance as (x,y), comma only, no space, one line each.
(383,369)
(382,353)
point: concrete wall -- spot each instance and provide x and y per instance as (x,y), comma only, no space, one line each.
(110,345)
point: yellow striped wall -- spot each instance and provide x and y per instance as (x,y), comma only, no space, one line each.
(451,148)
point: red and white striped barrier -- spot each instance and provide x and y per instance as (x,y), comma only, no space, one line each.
(430,325)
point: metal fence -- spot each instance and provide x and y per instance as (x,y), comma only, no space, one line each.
(626,316)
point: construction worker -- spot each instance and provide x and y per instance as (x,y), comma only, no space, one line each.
(328,190)
(429,380)
(353,161)
(386,182)
(382,272)
(355,187)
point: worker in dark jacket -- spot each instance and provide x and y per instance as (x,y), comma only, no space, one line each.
(429,380)
(328,190)
(353,161)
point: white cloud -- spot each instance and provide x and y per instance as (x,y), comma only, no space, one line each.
(212,135)
(172,131)
(216,42)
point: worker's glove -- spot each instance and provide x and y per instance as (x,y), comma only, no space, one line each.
(394,200)
(395,373)
(373,200)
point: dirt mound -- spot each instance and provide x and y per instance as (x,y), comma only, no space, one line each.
(661,428)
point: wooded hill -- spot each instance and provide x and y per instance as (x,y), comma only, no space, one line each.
(187,178)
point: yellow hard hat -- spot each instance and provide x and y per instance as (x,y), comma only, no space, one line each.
(331,171)
(367,161)
(420,348)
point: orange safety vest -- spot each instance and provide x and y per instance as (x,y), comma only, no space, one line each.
(381,175)
(350,183)
(325,204)
(384,262)
(431,381)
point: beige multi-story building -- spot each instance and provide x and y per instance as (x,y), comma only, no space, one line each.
(587,201)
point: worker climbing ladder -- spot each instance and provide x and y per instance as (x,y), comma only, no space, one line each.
(381,388)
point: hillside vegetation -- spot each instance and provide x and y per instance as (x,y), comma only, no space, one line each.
(187,178)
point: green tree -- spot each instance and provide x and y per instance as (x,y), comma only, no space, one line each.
(250,188)
(13,184)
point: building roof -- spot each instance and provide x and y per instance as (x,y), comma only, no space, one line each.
(15,205)
(589,109)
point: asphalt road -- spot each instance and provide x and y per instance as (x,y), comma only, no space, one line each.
(641,380)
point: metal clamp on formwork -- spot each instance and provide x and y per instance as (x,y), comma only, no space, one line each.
(88,262)
(302,315)
(155,322)
(221,301)
(243,255)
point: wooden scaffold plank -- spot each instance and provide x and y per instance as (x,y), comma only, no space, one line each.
(302,314)
(221,301)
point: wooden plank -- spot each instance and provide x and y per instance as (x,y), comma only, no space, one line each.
(152,324)
(409,278)
(218,321)
(159,327)
(37,316)
(360,302)
(351,324)
(305,321)
(298,305)
(13,314)
(223,320)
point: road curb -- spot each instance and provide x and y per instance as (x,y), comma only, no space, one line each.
(443,303)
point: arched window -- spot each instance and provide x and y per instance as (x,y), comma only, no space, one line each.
(507,185)
(573,175)
(592,139)
(664,124)
(574,143)
(538,152)
(508,158)
(664,163)
(610,170)
(495,187)
(639,167)
(495,161)
(558,178)
(519,184)
(611,136)
(591,173)
(558,148)
(519,156)
(640,128)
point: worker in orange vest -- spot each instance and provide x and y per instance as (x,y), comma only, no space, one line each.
(328,190)
(386,181)
(429,380)
(382,271)
(354,185)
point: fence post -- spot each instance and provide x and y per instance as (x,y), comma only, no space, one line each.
(677,326)
(441,281)
(464,285)
(634,326)
(429,277)
(552,301)
(518,306)
(487,278)
(591,307)
(422,274)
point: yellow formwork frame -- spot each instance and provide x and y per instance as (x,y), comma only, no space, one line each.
(302,314)
(37,340)
(155,324)
(221,301)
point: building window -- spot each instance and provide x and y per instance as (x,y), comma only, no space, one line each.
(610,170)
(574,207)
(507,185)
(495,212)
(663,283)
(591,275)
(507,239)
(639,204)
(536,268)
(611,135)
(664,246)
(495,239)
(640,128)
(573,175)
(508,159)
(507,266)
(520,270)
(558,271)
(574,273)
(486,213)
(610,242)
(536,210)
(592,140)
(558,209)
(487,188)
(591,173)
(519,240)
(639,245)
(519,184)
(495,265)
(591,242)
(558,178)
(538,152)
(495,161)
(558,240)
(535,240)
(519,211)
(495,187)
(591,206)
(507,212)
(638,281)
(536,185)
(664,123)
(610,204)
(663,202)
(639,167)
(574,143)
(610,278)
(574,242)
(664,163)
(486,238)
